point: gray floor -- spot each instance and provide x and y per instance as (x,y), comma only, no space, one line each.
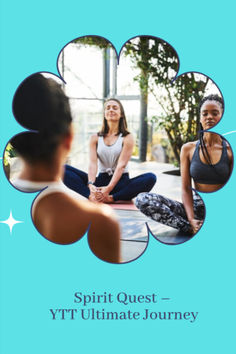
(136,230)
(134,237)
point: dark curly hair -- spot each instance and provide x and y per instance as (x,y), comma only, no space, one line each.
(41,106)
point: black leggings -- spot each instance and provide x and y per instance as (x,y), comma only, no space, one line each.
(169,212)
(126,189)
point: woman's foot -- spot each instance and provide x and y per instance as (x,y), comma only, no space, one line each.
(92,198)
(108,199)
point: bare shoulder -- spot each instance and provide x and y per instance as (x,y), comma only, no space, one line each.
(228,145)
(188,147)
(64,220)
(229,151)
(129,139)
(94,139)
(187,151)
(54,216)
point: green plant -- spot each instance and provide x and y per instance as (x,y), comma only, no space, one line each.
(8,154)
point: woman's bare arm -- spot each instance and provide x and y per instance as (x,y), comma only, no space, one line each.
(93,166)
(126,153)
(92,170)
(187,195)
(230,156)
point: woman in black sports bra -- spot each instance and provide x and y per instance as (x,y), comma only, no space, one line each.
(207,161)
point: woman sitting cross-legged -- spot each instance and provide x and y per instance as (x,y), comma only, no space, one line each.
(110,152)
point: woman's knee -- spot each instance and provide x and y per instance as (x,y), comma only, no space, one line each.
(149,204)
(144,200)
(150,180)
(140,200)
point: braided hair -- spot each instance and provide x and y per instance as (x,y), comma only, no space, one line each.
(218,99)
(215,98)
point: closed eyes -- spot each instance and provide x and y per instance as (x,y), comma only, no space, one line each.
(214,113)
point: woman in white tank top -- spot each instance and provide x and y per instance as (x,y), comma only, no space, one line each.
(110,152)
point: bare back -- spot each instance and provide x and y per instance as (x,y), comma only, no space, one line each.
(64,220)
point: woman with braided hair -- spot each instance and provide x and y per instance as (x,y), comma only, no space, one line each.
(208,162)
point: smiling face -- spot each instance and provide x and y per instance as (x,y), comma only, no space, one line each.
(210,114)
(112,111)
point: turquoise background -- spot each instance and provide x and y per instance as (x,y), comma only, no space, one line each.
(37,275)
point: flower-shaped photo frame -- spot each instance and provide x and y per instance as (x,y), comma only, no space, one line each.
(115,172)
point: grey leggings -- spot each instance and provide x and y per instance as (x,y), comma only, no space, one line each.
(169,212)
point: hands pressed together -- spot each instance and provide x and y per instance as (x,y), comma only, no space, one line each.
(100,194)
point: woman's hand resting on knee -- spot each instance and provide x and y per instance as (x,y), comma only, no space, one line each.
(196,225)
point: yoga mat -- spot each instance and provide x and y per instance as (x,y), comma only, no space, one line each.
(124,206)
(133,225)
(134,228)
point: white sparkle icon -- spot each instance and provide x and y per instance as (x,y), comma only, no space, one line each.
(11,221)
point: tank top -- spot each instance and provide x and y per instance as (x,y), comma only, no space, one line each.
(46,188)
(210,174)
(108,155)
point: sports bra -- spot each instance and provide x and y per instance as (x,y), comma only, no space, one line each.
(210,174)
(108,155)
